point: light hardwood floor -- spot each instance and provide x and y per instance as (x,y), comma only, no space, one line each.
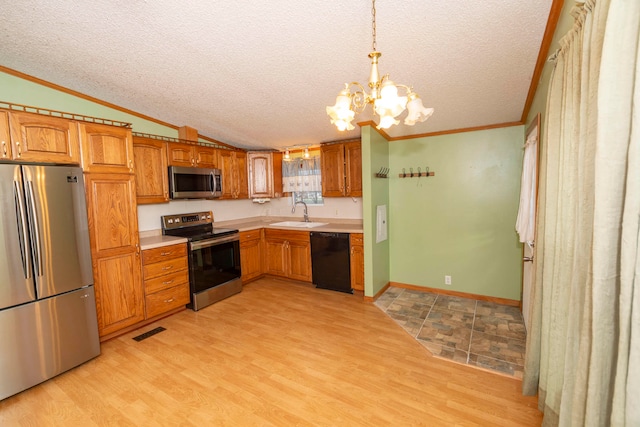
(279,353)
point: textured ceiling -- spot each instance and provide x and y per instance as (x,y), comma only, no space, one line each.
(260,74)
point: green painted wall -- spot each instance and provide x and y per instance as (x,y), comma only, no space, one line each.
(375,191)
(20,91)
(460,222)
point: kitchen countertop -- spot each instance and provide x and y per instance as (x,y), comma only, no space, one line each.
(158,241)
(154,239)
(333,225)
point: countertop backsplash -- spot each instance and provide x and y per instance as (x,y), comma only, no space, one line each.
(226,210)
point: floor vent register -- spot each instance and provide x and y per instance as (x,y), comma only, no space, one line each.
(149,333)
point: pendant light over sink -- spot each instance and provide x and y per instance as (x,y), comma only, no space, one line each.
(384,97)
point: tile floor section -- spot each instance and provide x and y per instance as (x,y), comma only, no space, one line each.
(478,333)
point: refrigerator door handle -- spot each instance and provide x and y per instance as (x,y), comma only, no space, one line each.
(22,229)
(35,231)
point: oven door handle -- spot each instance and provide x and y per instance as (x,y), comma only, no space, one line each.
(213,242)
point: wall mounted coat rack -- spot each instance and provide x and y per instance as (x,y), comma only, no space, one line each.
(383,173)
(418,174)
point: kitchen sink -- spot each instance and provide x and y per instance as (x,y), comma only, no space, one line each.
(299,224)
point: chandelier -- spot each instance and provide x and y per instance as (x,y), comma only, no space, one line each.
(384,97)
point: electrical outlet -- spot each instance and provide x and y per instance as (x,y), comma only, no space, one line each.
(447,280)
(336,212)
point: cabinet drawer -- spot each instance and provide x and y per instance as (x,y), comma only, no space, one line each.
(165,252)
(161,268)
(302,236)
(250,235)
(357,239)
(168,299)
(166,281)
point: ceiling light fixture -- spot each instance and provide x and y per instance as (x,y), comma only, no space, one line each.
(384,97)
(286,154)
(306,152)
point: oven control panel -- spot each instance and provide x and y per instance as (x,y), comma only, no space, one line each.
(186,220)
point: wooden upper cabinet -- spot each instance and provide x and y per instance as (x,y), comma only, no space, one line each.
(241,178)
(5,139)
(191,155)
(278,189)
(206,157)
(106,149)
(233,164)
(180,154)
(260,174)
(264,174)
(150,158)
(353,167)
(332,163)
(342,169)
(40,138)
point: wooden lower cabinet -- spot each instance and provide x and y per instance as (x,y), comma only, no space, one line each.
(357,261)
(251,254)
(288,254)
(166,279)
(119,298)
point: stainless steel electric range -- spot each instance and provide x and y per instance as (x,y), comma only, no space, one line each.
(214,256)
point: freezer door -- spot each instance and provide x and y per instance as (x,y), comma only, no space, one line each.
(59,231)
(16,277)
(45,338)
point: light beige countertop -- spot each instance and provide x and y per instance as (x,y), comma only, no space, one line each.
(151,241)
(154,239)
(334,225)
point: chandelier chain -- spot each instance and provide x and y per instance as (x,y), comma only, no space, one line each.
(383,96)
(373,23)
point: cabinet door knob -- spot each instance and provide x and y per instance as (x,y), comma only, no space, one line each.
(168,300)
(19,148)
(168,282)
(4,149)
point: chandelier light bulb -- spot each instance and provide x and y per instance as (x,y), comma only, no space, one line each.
(341,114)
(286,154)
(416,111)
(387,121)
(389,102)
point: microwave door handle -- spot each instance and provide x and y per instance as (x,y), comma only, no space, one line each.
(22,229)
(213,183)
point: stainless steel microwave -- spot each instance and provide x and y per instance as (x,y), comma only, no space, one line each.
(194,183)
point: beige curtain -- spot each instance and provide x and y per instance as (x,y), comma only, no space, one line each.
(582,354)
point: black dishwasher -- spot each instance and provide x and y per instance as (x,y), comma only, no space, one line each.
(330,261)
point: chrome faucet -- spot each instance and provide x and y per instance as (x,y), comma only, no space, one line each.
(306,215)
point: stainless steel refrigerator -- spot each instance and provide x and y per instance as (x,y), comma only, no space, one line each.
(48,321)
